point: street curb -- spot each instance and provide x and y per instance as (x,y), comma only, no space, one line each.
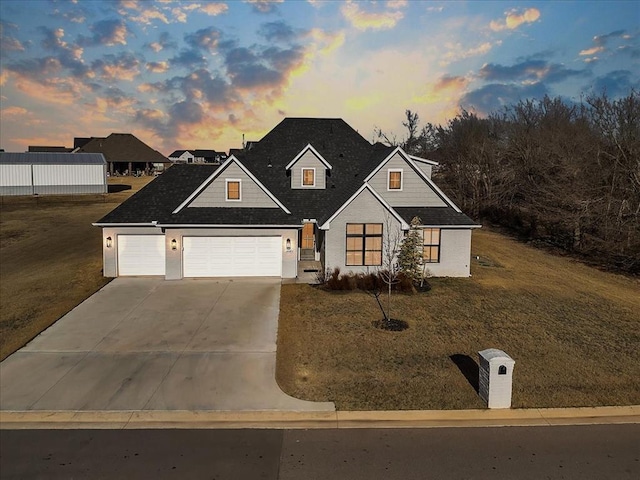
(179,419)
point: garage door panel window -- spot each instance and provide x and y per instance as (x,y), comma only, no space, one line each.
(364,244)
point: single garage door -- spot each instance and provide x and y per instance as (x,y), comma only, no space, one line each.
(141,255)
(232,256)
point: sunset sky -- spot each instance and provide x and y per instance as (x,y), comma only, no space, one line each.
(201,74)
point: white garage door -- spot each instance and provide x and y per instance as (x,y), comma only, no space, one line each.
(141,255)
(232,256)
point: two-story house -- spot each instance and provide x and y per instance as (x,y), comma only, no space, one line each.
(311,189)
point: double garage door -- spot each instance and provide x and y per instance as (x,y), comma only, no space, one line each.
(232,256)
(202,256)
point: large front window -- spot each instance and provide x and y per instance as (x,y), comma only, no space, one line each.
(431,245)
(364,244)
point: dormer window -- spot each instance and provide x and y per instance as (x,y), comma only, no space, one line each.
(394,179)
(308,177)
(233,190)
(308,170)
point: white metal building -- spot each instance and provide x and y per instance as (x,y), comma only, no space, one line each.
(52,173)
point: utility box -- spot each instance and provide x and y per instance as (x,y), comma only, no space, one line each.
(495,377)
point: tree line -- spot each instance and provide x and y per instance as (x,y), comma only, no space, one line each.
(554,172)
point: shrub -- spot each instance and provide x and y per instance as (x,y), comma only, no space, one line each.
(369,282)
(333,280)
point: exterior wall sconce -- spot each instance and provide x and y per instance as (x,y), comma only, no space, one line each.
(108,242)
(288,244)
(174,244)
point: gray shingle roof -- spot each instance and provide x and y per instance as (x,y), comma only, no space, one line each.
(351,156)
(441,216)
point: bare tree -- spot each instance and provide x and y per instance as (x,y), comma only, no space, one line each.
(387,274)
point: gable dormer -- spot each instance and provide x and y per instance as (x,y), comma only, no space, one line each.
(402,183)
(232,185)
(308,170)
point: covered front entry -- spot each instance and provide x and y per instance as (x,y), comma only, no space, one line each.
(232,256)
(141,255)
(308,242)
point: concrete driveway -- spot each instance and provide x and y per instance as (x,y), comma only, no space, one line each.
(151,344)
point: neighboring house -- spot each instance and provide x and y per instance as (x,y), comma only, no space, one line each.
(52,173)
(198,156)
(49,149)
(125,154)
(311,189)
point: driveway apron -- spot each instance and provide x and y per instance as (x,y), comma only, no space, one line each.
(151,344)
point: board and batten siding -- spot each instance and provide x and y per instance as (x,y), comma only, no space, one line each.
(52,179)
(61,179)
(415,191)
(16,180)
(251,195)
(308,160)
(365,208)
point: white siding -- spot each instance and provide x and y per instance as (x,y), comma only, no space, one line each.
(15,175)
(68,175)
(415,190)
(365,208)
(308,160)
(455,244)
(215,195)
(43,179)
(455,254)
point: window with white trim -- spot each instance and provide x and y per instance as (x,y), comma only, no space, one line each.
(394,179)
(431,245)
(233,190)
(364,244)
(308,177)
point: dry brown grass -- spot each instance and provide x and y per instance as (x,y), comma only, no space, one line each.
(573,331)
(50,258)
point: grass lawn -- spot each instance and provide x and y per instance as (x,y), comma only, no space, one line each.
(573,331)
(50,258)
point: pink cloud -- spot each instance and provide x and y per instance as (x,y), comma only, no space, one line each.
(14,111)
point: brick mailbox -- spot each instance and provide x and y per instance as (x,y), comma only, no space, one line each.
(495,377)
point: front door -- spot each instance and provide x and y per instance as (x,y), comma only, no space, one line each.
(307,243)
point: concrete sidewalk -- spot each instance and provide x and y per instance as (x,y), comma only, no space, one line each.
(144,419)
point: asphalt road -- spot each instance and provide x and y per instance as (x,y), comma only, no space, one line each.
(563,452)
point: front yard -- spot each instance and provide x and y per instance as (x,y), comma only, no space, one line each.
(50,257)
(573,331)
